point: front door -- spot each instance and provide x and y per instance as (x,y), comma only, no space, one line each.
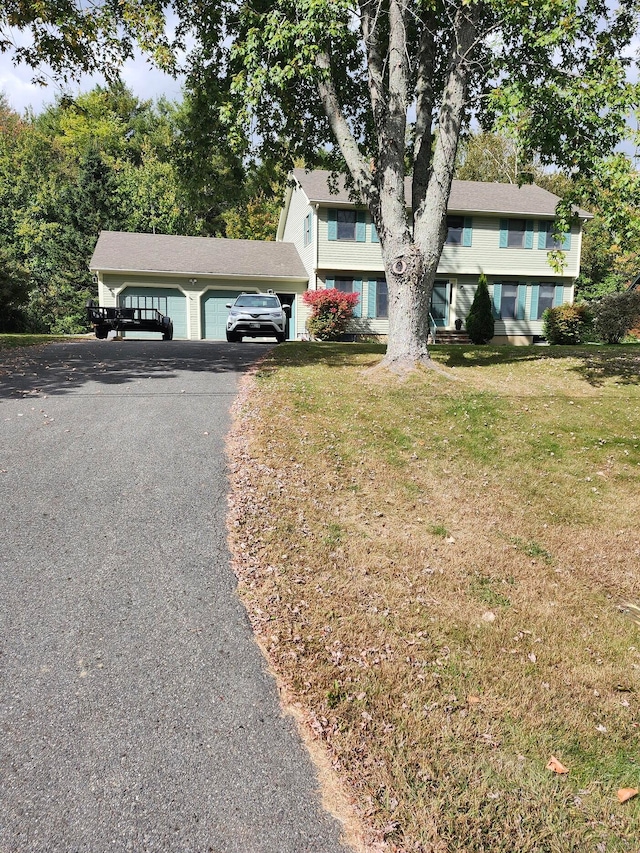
(440,301)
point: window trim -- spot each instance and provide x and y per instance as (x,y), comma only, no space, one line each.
(527,234)
(545,235)
(359,225)
(466,231)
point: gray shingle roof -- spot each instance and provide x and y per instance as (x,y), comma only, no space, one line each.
(466,196)
(123,251)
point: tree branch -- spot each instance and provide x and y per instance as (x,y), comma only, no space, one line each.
(370,13)
(450,119)
(356,163)
(424,109)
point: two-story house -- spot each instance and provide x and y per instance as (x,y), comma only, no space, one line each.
(501,230)
(325,240)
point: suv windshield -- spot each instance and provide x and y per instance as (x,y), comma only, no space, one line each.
(250,301)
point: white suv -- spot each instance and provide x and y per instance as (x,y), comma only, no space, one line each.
(256,315)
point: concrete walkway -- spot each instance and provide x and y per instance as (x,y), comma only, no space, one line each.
(135,710)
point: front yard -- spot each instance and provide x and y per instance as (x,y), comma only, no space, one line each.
(437,570)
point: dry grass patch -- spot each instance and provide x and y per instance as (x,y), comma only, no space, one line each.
(435,570)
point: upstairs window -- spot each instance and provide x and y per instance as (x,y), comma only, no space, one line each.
(307,229)
(458,231)
(547,241)
(347,225)
(516,234)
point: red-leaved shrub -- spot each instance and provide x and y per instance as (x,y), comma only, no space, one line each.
(331,311)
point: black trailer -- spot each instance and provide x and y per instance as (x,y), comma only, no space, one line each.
(105,320)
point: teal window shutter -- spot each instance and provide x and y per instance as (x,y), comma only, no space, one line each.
(504,233)
(535,294)
(497,299)
(374,234)
(332,224)
(361,226)
(329,282)
(522,301)
(467,231)
(543,228)
(528,234)
(558,296)
(372,293)
(566,241)
(357,288)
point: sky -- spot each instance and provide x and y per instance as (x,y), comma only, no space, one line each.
(144,80)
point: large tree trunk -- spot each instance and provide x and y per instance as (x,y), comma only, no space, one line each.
(410,284)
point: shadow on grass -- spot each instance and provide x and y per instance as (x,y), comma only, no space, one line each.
(594,364)
(60,368)
(305,354)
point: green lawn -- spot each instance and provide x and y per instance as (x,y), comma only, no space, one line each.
(437,570)
(13,341)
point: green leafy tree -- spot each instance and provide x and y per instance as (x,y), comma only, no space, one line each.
(255,220)
(14,292)
(615,314)
(209,173)
(480,322)
(490,157)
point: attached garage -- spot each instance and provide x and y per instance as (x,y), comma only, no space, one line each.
(191,279)
(168,301)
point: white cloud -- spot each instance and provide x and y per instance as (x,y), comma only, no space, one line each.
(143,79)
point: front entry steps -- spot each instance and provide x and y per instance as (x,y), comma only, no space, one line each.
(447,336)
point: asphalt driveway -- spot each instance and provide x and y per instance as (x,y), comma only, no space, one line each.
(135,710)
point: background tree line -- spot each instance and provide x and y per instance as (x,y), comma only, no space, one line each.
(107,160)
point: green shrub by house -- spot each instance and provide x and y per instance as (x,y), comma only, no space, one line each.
(615,314)
(479,322)
(566,324)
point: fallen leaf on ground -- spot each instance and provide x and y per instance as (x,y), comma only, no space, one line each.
(556,765)
(625,794)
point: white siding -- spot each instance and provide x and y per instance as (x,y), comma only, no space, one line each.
(485,254)
(347,254)
(293,231)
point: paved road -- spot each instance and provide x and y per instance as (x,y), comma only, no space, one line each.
(135,711)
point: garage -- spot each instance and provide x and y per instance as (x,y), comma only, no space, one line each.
(167,300)
(215,313)
(191,279)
